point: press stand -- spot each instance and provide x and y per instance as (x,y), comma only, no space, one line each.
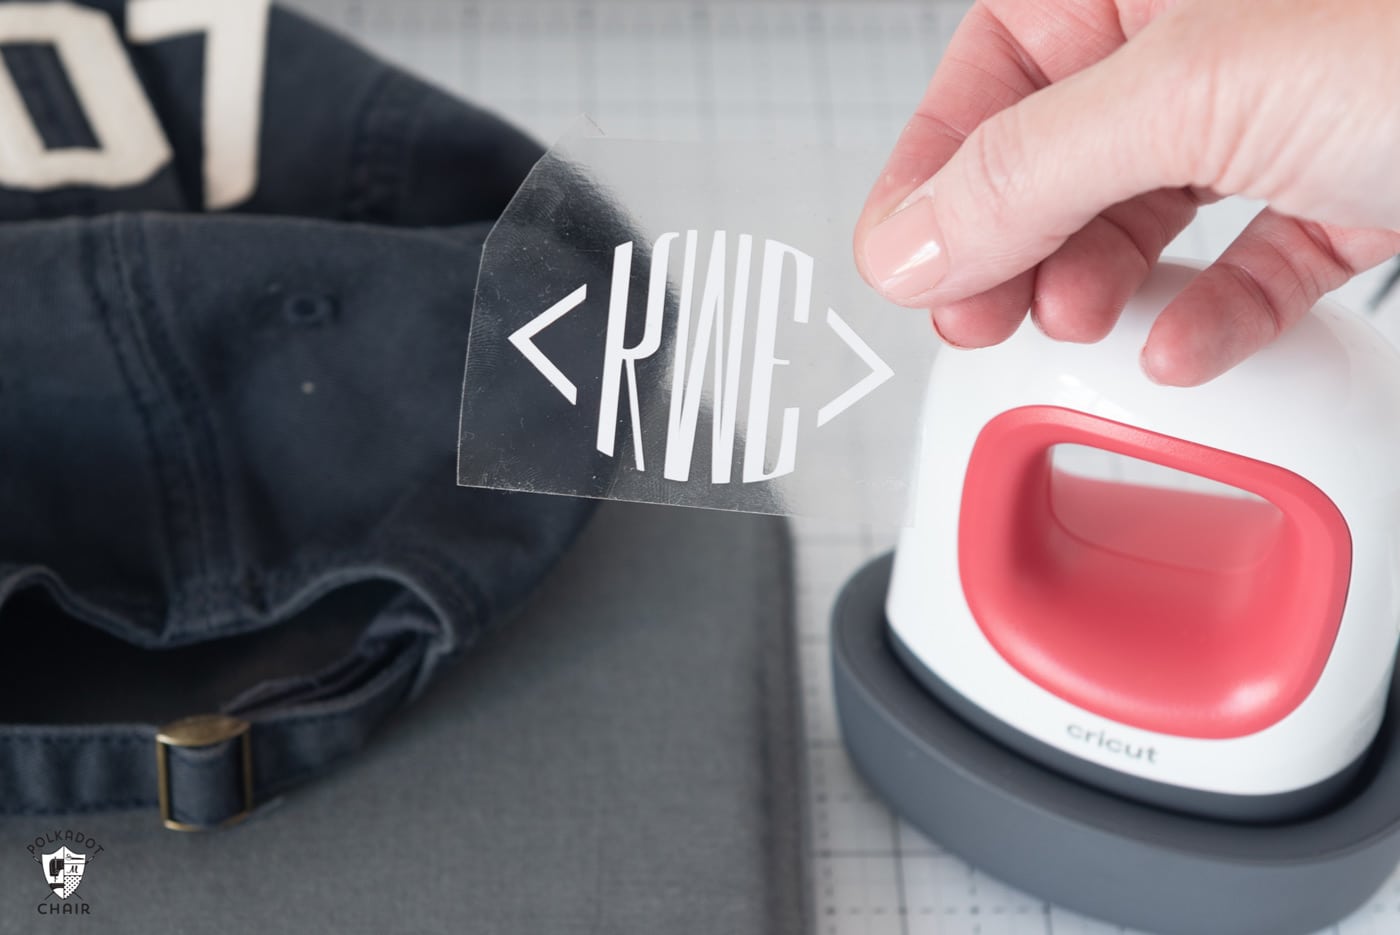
(1091,851)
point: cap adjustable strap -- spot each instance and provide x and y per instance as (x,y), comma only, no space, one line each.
(204,772)
(211,755)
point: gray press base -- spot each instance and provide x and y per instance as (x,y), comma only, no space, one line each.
(1091,851)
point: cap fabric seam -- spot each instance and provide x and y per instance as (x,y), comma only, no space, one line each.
(171,511)
(191,429)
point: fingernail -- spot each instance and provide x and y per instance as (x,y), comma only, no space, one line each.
(1034,316)
(1145,361)
(933,320)
(904,252)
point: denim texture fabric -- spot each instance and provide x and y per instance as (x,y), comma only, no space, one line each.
(228,439)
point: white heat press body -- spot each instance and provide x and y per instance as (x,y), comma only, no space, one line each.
(1155,704)
(1224,655)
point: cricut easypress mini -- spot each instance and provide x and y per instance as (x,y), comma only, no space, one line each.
(1155,690)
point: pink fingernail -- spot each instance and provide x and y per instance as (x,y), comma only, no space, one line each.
(933,320)
(904,252)
(1145,362)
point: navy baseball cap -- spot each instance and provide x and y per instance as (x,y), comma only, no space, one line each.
(239,257)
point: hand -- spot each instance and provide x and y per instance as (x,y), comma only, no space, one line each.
(1063,143)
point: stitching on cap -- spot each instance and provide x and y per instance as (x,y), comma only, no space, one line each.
(49,740)
(104,805)
(190,423)
(170,519)
(378,148)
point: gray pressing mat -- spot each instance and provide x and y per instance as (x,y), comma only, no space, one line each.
(623,757)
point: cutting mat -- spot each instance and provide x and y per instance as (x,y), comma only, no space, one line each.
(840,72)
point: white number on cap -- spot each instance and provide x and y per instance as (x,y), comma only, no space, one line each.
(234,47)
(131,147)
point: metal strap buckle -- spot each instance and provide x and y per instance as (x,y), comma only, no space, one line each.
(203,730)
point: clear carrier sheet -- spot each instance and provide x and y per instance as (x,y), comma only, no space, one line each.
(683,323)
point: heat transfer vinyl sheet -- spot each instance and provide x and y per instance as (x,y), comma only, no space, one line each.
(683,323)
